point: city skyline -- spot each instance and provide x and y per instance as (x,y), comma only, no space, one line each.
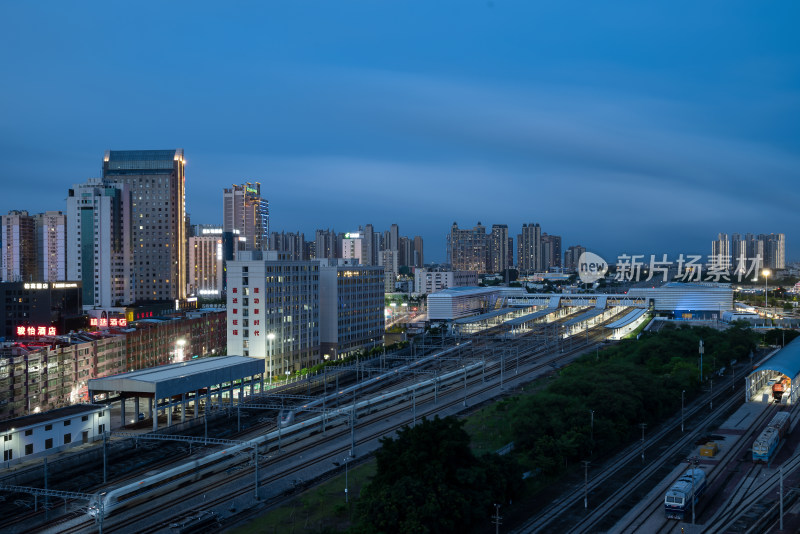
(676,129)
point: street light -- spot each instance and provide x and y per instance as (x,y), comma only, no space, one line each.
(766,273)
(271,338)
(179,344)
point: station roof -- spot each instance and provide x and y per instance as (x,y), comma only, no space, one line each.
(584,317)
(464,290)
(628,319)
(50,415)
(177,378)
(786,360)
(484,316)
(532,316)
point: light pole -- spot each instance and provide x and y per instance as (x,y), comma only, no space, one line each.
(346,498)
(271,338)
(683,392)
(591,429)
(766,273)
(701,361)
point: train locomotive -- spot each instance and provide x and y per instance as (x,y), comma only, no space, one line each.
(780,387)
(766,444)
(686,490)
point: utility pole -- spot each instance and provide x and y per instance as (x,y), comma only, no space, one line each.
(701,361)
(585,483)
(105,454)
(683,392)
(497,519)
(642,426)
(780,471)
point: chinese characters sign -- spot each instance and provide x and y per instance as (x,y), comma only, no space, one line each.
(34,331)
(102,322)
(688,268)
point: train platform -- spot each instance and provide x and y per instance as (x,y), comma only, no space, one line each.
(727,437)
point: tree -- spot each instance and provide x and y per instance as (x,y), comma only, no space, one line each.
(428,480)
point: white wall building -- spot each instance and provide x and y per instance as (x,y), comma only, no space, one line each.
(352,247)
(100,251)
(432,281)
(42,434)
(273,310)
(458,302)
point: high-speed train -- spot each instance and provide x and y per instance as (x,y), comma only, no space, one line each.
(134,492)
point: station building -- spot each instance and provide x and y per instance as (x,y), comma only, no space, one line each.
(181,387)
(45,433)
(776,379)
(457,302)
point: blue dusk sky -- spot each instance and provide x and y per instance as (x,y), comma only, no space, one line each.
(625,126)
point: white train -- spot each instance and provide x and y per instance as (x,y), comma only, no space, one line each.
(131,493)
(684,492)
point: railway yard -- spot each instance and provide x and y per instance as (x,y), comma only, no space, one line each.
(234,462)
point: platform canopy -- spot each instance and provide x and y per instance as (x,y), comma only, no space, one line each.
(628,319)
(177,378)
(786,360)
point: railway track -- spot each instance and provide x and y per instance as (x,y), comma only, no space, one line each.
(569,506)
(243,475)
(653,519)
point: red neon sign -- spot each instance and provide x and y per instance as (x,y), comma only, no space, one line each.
(32,331)
(104,323)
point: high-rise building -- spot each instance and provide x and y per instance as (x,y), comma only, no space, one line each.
(529,248)
(391,269)
(291,243)
(19,247)
(369,246)
(551,251)
(352,247)
(101,245)
(755,251)
(721,251)
(205,265)
(51,246)
(350,307)
(468,250)
(498,248)
(326,244)
(405,251)
(572,256)
(738,248)
(394,237)
(273,310)
(156,179)
(419,255)
(246,214)
(510,251)
(774,250)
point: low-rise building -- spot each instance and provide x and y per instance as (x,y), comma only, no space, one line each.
(427,282)
(45,433)
(52,372)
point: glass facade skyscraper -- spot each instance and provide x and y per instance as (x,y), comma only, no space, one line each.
(157,183)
